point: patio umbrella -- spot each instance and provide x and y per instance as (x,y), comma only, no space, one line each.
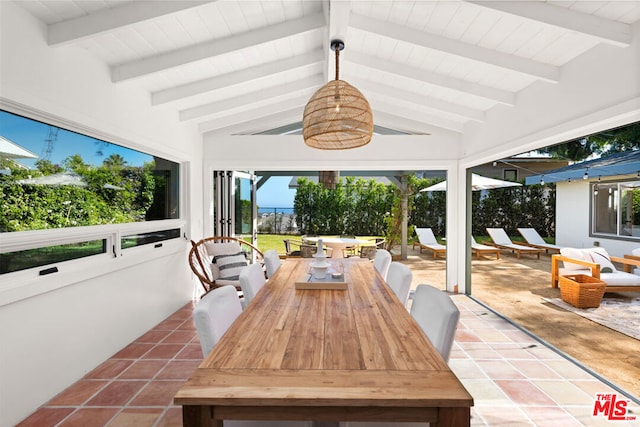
(478,182)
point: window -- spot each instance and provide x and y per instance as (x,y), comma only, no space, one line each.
(510,174)
(616,208)
(77,180)
(82,196)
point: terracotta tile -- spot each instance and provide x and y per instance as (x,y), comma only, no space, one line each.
(191,351)
(171,418)
(136,417)
(78,393)
(157,393)
(466,335)
(117,393)
(550,416)
(168,325)
(179,337)
(45,417)
(503,416)
(89,417)
(187,325)
(524,392)
(164,351)
(178,370)
(153,336)
(133,351)
(109,369)
(143,370)
(499,369)
(533,369)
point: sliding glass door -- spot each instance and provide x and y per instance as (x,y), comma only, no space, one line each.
(234,210)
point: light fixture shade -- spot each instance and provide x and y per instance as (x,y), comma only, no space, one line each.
(337,117)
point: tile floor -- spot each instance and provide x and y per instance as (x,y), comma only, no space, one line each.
(515,379)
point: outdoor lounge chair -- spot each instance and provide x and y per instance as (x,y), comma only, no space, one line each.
(479,249)
(534,239)
(501,240)
(426,240)
(592,262)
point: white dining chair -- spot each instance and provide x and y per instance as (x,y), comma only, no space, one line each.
(251,281)
(382,261)
(399,279)
(272,262)
(213,315)
(438,317)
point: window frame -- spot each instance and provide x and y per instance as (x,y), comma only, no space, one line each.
(26,283)
(592,205)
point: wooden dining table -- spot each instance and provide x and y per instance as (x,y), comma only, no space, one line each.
(325,355)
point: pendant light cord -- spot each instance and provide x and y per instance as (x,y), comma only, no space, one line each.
(337,64)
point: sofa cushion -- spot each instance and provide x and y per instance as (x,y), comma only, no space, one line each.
(575,254)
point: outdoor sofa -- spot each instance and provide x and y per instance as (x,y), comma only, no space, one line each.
(597,263)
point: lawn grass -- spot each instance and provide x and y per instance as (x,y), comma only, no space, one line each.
(275,241)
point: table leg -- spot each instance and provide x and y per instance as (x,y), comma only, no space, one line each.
(454,417)
(197,416)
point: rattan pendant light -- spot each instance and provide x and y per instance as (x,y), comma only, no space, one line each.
(337,116)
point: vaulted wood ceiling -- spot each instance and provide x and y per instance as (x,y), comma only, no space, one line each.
(244,67)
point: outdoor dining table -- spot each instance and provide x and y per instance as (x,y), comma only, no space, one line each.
(338,244)
(327,355)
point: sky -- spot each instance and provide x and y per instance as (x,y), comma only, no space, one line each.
(33,135)
(275,193)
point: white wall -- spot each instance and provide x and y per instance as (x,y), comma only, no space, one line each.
(49,341)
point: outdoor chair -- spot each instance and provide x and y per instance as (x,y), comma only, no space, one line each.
(213,315)
(635,255)
(534,239)
(217,261)
(438,317)
(251,281)
(501,240)
(348,250)
(381,262)
(427,240)
(272,262)
(292,247)
(597,263)
(399,280)
(480,249)
(369,250)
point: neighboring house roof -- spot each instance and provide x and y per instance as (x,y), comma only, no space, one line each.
(625,163)
(11,150)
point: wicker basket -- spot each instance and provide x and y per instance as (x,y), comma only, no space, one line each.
(581,291)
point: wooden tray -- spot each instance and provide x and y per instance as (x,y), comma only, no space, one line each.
(327,283)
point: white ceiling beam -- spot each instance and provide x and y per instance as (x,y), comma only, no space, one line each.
(106,20)
(417,116)
(393,121)
(259,124)
(420,101)
(548,73)
(249,115)
(605,30)
(214,48)
(306,86)
(311,59)
(429,77)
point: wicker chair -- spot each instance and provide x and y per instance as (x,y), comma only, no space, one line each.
(201,258)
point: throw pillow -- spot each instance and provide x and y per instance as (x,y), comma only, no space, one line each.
(600,256)
(575,254)
(220,248)
(230,265)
